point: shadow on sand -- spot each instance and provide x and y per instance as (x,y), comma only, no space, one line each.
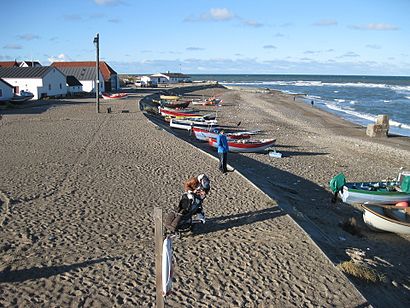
(45,272)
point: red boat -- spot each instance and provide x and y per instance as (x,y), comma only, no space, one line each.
(114,95)
(176,113)
(246,145)
(204,134)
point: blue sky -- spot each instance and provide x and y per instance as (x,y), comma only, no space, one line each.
(208,36)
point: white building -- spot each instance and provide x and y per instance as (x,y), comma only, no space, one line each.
(74,86)
(145,81)
(30,64)
(44,81)
(6,91)
(86,75)
(166,78)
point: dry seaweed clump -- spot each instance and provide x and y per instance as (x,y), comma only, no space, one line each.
(361,271)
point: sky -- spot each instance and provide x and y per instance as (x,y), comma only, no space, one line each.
(346,37)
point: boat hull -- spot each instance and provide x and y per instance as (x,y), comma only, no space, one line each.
(204,134)
(248,146)
(362,192)
(188,125)
(114,96)
(390,219)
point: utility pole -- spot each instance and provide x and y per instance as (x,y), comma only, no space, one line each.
(97,73)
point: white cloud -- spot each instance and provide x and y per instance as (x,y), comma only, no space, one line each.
(375,26)
(108,2)
(60,58)
(269,47)
(194,48)
(219,14)
(252,23)
(12,46)
(114,20)
(325,23)
(349,54)
(373,46)
(215,14)
(28,37)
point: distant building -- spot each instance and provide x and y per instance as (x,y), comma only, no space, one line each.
(168,78)
(9,64)
(30,64)
(6,91)
(110,77)
(42,81)
(86,75)
(20,64)
(74,86)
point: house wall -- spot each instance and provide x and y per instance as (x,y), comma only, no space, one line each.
(89,85)
(6,92)
(74,89)
(30,85)
(54,84)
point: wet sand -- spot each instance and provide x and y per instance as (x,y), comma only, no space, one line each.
(78,190)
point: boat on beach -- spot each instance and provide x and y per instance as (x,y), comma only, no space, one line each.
(394,219)
(204,134)
(23,97)
(246,145)
(170,97)
(114,95)
(174,104)
(212,101)
(382,192)
(168,112)
(189,124)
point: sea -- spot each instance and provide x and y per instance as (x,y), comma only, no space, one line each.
(358,99)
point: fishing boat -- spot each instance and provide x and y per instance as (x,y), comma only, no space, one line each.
(394,219)
(170,97)
(167,112)
(189,124)
(383,192)
(212,101)
(23,97)
(114,95)
(246,145)
(204,134)
(174,104)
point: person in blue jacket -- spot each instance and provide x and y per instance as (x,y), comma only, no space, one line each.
(223,148)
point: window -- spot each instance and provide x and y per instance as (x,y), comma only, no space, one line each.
(1,92)
(49,86)
(61,86)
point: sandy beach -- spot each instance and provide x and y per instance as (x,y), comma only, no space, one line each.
(77,193)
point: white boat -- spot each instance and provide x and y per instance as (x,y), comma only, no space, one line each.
(203,134)
(23,97)
(385,192)
(189,124)
(387,218)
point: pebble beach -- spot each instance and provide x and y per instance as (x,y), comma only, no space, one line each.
(78,189)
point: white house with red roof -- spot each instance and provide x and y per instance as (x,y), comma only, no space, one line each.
(109,79)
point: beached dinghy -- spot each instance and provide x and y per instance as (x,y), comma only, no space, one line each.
(204,134)
(166,112)
(23,97)
(383,192)
(170,97)
(174,104)
(387,218)
(212,101)
(114,95)
(246,145)
(189,124)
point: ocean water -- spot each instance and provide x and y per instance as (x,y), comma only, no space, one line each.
(358,99)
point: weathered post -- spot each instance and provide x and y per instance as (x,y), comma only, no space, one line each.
(159,238)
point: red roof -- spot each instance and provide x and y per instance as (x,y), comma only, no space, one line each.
(106,70)
(9,64)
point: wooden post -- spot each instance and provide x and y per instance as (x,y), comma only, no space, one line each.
(159,238)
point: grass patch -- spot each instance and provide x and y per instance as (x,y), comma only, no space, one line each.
(361,271)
